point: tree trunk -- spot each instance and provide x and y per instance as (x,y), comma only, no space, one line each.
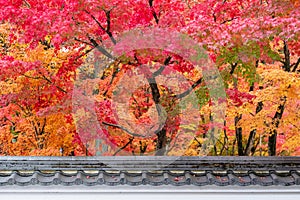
(239,136)
(161,143)
(250,143)
(275,123)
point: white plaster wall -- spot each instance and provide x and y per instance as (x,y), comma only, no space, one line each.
(146,192)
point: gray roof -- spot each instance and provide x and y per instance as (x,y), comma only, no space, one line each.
(152,171)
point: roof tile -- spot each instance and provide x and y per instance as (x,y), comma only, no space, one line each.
(145,171)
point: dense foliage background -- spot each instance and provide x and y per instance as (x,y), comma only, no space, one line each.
(48,47)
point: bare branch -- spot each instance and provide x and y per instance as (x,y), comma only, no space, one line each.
(27,4)
(287,60)
(122,128)
(100,48)
(108,21)
(123,147)
(153,11)
(88,51)
(233,66)
(188,91)
(109,33)
(228,20)
(296,65)
(78,40)
(161,69)
(95,19)
(49,81)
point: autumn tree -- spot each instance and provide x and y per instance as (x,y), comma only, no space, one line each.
(253,43)
(31,122)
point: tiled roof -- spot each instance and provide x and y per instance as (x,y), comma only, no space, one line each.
(152,171)
(148,178)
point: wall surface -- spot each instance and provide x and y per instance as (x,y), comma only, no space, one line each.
(146,192)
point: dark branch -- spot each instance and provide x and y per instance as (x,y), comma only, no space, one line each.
(275,122)
(101,49)
(296,65)
(109,33)
(215,17)
(114,75)
(251,138)
(153,11)
(161,69)
(233,66)
(107,30)
(49,81)
(199,143)
(239,135)
(122,128)
(27,4)
(95,19)
(78,40)
(167,61)
(44,125)
(88,51)
(188,91)
(154,90)
(287,61)
(123,147)
(229,20)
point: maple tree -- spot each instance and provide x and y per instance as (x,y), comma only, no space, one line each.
(48,55)
(30,119)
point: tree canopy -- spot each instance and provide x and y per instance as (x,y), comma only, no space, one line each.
(149,77)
